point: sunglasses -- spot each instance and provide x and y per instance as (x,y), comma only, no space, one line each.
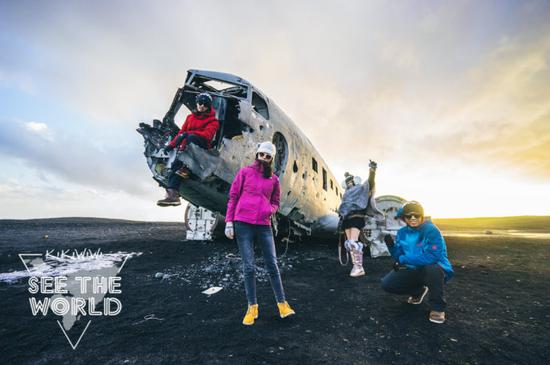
(265,155)
(413,215)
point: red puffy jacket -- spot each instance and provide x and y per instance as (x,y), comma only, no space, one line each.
(203,125)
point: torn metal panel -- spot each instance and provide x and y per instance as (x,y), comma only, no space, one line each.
(200,223)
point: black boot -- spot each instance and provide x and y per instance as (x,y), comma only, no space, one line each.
(172,198)
(183,172)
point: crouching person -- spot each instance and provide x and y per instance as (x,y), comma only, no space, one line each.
(421,248)
(253,198)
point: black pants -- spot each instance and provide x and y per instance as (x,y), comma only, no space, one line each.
(410,282)
(174,179)
(354,222)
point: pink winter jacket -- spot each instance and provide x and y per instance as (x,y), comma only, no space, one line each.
(253,198)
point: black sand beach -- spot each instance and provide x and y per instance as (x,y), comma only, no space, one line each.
(498,311)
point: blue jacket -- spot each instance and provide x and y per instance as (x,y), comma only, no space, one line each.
(422,246)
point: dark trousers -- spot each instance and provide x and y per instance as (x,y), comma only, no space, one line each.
(246,234)
(410,282)
(174,179)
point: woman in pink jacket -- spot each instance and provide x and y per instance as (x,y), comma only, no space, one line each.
(253,198)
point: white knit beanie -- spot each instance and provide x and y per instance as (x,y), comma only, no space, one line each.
(267,147)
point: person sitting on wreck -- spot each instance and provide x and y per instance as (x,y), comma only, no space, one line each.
(253,198)
(421,247)
(357,202)
(199,128)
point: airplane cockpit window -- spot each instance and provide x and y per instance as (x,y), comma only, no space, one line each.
(218,85)
(259,105)
(200,83)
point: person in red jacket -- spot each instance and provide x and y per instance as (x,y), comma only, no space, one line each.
(199,128)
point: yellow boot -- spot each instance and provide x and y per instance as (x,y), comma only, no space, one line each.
(285,310)
(251,315)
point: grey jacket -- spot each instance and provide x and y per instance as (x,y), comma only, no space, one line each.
(356,198)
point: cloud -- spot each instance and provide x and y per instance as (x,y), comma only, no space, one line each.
(116,64)
(40,129)
(504,122)
(36,127)
(21,199)
(74,157)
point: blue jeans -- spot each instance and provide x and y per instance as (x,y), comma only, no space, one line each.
(174,179)
(410,282)
(246,234)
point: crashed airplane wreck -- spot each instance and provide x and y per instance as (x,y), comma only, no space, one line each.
(310,194)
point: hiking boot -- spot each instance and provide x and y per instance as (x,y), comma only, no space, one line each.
(251,314)
(183,172)
(419,298)
(172,199)
(357,260)
(437,317)
(357,271)
(285,310)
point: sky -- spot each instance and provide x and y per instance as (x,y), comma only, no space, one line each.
(452,99)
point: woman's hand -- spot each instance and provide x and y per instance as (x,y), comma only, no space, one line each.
(229,231)
(372,165)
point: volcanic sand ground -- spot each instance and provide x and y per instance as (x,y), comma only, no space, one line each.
(498,302)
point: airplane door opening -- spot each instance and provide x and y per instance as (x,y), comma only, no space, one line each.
(226,96)
(282,153)
(230,125)
(227,113)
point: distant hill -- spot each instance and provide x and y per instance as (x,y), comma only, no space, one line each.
(523,223)
(78,220)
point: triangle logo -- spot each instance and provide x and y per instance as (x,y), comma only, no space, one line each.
(73,285)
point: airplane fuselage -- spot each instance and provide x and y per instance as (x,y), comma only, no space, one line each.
(310,194)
